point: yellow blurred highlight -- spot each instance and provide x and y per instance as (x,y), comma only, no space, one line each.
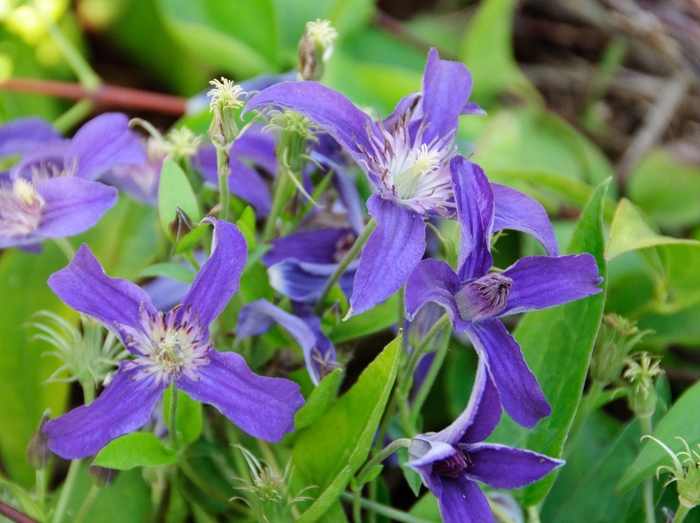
(26,20)
(99,14)
(47,53)
(6,67)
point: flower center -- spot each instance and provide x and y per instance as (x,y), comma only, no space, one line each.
(453,465)
(483,298)
(169,345)
(20,208)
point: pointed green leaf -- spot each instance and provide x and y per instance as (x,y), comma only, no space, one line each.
(26,503)
(328,453)
(175,191)
(319,400)
(138,449)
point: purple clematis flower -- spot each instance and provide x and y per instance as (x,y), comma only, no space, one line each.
(406,158)
(451,461)
(319,353)
(49,193)
(168,347)
(474,298)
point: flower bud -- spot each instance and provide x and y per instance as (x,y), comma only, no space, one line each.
(296,133)
(640,372)
(315,48)
(102,476)
(616,338)
(686,474)
(225,99)
(38,452)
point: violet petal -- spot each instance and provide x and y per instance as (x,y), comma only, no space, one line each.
(263,407)
(393,250)
(123,407)
(218,278)
(521,395)
(461,501)
(303,282)
(432,281)
(246,183)
(315,246)
(72,205)
(520,212)
(47,157)
(20,135)
(545,281)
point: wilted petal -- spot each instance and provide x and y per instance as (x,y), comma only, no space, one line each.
(218,278)
(123,407)
(102,143)
(518,211)
(72,205)
(329,109)
(20,135)
(475,206)
(84,286)
(461,501)
(544,281)
(262,407)
(393,250)
(502,467)
(521,395)
(432,281)
(446,88)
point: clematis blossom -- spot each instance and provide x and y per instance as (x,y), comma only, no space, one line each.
(50,192)
(406,158)
(475,298)
(170,347)
(451,461)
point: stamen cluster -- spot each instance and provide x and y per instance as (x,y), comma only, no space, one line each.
(20,208)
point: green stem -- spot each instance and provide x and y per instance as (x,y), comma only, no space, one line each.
(67,491)
(402,307)
(73,116)
(174,440)
(224,170)
(66,248)
(41,488)
(94,491)
(87,77)
(533,514)
(681,513)
(88,392)
(430,378)
(383,510)
(357,506)
(344,263)
(418,353)
(278,202)
(192,260)
(379,457)
(649,504)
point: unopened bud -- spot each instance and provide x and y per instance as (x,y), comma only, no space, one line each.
(297,134)
(38,452)
(102,476)
(315,48)
(641,372)
(616,339)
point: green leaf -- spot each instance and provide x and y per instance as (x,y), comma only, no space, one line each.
(175,191)
(319,400)
(138,449)
(189,416)
(379,318)
(168,270)
(557,345)
(26,503)
(328,453)
(23,371)
(189,240)
(680,421)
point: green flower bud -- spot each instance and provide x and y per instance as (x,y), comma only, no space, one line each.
(38,452)
(225,100)
(640,373)
(296,133)
(616,338)
(102,476)
(315,48)
(686,474)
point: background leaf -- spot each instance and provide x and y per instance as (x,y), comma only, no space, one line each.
(138,449)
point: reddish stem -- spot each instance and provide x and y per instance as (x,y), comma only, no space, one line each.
(105,95)
(14,515)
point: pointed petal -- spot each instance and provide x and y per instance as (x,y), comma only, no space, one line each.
(475,207)
(432,281)
(446,88)
(102,143)
(521,395)
(20,135)
(518,211)
(84,286)
(393,250)
(503,467)
(262,407)
(472,108)
(123,407)
(408,102)
(329,109)
(218,278)
(481,416)
(544,281)
(72,205)
(462,501)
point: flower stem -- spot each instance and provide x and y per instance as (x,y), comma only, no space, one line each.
(383,510)
(172,426)
(430,378)
(76,114)
(418,353)
(66,248)
(67,491)
(88,392)
(40,488)
(681,513)
(14,515)
(649,504)
(278,202)
(379,457)
(224,170)
(85,507)
(345,262)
